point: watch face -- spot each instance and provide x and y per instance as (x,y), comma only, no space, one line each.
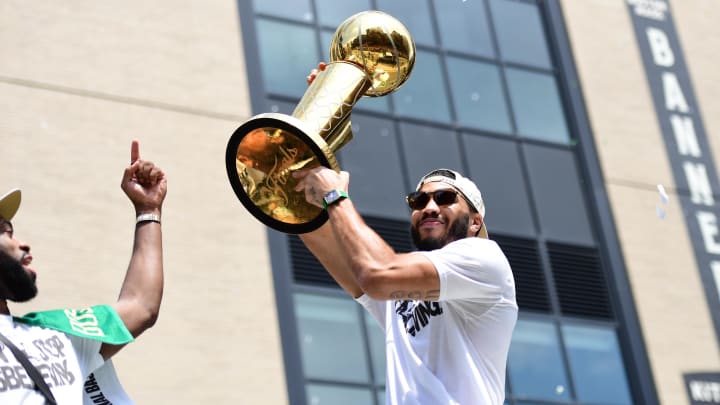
(332,196)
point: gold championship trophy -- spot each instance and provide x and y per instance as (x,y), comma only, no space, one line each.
(371,54)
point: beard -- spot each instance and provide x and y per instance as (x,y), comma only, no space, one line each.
(458,229)
(15,283)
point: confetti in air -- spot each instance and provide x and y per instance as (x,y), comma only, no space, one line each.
(660,209)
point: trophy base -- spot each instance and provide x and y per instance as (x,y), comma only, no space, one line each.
(260,158)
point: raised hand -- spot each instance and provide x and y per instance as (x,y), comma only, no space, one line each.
(318,181)
(143,182)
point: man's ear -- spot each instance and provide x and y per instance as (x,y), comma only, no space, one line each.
(476,223)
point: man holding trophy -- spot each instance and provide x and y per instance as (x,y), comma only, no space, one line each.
(448,310)
(460,282)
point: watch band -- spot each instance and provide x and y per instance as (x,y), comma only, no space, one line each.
(333,196)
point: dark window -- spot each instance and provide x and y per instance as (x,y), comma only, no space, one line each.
(478,95)
(331,347)
(464,28)
(530,285)
(332,394)
(497,169)
(331,12)
(520,32)
(535,364)
(415,15)
(556,188)
(279,44)
(537,107)
(424,95)
(579,280)
(596,364)
(417,140)
(373,155)
(298,10)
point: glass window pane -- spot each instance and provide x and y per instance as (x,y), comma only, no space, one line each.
(376,338)
(287,53)
(596,365)
(464,26)
(415,15)
(296,9)
(379,104)
(536,103)
(520,32)
(535,365)
(557,188)
(332,13)
(328,326)
(417,140)
(326,37)
(373,154)
(506,197)
(423,95)
(478,95)
(318,394)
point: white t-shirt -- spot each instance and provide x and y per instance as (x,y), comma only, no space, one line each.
(453,351)
(64,361)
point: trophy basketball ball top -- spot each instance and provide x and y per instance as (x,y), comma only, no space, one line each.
(371,54)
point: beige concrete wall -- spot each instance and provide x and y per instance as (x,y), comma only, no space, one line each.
(658,256)
(78,81)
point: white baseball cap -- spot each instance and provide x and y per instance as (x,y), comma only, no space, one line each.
(465,186)
(9,204)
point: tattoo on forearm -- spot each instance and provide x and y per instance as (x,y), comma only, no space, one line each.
(415,295)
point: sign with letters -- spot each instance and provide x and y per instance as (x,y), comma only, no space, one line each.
(685,139)
(703,388)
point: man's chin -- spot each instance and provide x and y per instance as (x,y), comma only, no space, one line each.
(435,240)
(25,296)
(17,282)
(429,243)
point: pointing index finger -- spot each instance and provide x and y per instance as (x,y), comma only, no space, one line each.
(134,151)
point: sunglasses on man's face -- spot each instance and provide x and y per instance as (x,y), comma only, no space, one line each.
(419,199)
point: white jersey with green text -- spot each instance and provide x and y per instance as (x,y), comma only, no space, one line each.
(64,361)
(64,346)
(454,350)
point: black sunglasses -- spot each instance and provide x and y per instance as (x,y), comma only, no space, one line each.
(419,199)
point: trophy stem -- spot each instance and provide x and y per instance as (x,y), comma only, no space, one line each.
(328,102)
(341,136)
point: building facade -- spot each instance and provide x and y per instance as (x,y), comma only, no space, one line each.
(590,127)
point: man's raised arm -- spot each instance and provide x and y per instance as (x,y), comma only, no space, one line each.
(141,293)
